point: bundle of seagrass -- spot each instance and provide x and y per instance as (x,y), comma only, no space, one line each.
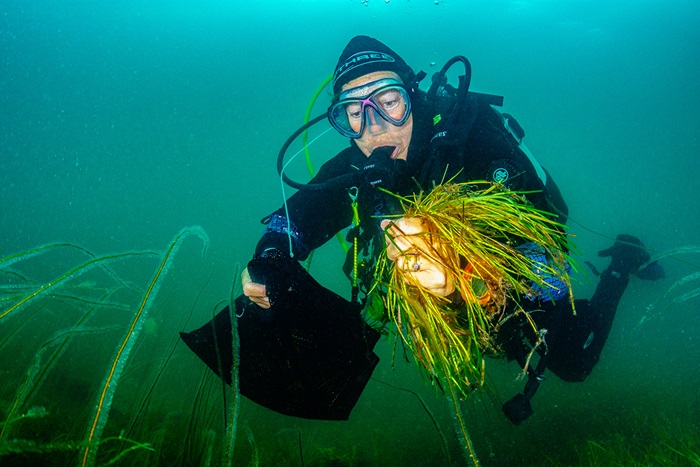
(476,231)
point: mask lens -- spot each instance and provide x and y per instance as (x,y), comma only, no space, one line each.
(392,104)
(339,117)
(390,101)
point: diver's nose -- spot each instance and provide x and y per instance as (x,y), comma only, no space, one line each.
(375,122)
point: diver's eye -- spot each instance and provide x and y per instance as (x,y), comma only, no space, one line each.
(389,105)
(389,99)
(392,103)
(354,111)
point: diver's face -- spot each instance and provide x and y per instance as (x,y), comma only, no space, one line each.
(378,132)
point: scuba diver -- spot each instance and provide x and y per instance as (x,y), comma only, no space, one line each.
(304,351)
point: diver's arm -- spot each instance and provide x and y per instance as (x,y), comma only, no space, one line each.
(313,216)
(308,220)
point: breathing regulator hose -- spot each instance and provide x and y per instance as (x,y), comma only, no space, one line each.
(439,81)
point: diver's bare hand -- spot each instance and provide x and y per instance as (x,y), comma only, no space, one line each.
(407,245)
(254,291)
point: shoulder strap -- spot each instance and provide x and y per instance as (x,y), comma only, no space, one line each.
(517,133)
(455,130)
(551,190)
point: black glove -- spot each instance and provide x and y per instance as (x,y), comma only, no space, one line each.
(381,171)
(627,254)
(281,275)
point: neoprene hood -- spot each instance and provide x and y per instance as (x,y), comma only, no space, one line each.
(364,55)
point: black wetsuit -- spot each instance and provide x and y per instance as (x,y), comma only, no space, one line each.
(489,152)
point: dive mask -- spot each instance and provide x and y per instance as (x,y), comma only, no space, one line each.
(387,102)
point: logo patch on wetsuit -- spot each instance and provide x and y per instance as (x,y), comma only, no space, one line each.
(500,175)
